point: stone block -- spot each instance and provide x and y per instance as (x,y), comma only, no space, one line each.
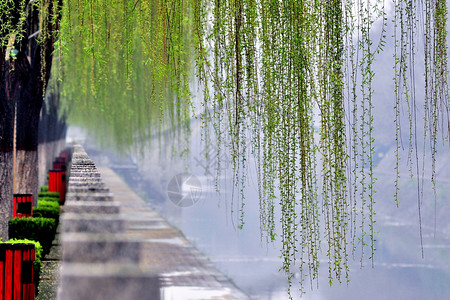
(107,282)
(84,174)
(95,248)
(92,207)
(93,223)
(89,196)
(88,189)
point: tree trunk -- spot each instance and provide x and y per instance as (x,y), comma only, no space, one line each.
(48,150)
(28,110)
(26,169)
(8,91)
(22,84)
(30,102)
(52,131)
(6,192)
(44,161)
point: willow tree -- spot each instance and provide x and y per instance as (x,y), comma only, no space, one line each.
(294,77)
(28,33)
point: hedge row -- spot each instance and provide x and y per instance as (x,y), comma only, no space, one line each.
(42,226)
(48,195)
(37,229)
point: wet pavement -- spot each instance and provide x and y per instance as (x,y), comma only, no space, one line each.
(183,272)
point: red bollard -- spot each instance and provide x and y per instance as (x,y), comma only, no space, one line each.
(16,271)
(59,164)
(22,205)
(66,154)
(60,159)
(57,183)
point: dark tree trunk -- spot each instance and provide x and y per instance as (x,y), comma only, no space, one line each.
(6,149)
(52,133)
(28,110)
(30,103)
(6,191)
(22,86)
(15,75)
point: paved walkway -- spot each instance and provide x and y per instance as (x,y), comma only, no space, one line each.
(184,272)
(48,286)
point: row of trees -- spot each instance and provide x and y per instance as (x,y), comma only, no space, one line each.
(28,31)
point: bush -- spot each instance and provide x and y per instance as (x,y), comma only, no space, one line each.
(37,263)
(48,202)
(37,229)
(44,188)
(48,195)
(42,211)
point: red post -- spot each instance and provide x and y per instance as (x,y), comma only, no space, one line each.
(17,282)
(2,290)
(57,183)
(29,256)
(66,154)
(22,205)
(16,271)
(8,274)
(59,163)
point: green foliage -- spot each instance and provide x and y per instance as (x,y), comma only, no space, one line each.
(44,211)
(131,58)
(37,263)
(12,19)
(47,194)
(37,229)
(304,99)
(44,188)
(13,28)
(49,202)
(291,92)
(407,17)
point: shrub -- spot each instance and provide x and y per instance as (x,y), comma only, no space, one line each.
(48,203)
(37,263)
(44,188)
(46,199)
(48,195)
(42,211)
(38,229)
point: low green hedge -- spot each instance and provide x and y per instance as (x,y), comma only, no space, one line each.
(44,188)
(46,199)
(48,202)
(37,263)
(48,195)
(47,212)
(37,229)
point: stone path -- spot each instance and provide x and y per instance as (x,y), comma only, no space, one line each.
(183,272)
(49,280)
